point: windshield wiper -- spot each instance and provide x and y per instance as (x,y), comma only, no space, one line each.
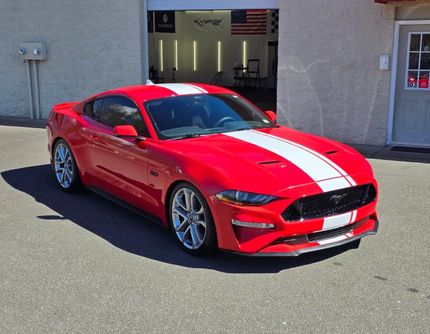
(191,135)
(239,129)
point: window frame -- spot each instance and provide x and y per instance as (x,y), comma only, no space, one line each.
(418,70)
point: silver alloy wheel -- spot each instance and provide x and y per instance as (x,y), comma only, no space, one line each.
(63,165)
(189,218)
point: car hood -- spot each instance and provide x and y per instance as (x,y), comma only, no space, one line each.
(276,159)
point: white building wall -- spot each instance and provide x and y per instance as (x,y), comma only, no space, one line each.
(329,82)
(92,46)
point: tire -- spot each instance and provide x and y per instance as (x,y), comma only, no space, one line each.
(191,220)
(65,169)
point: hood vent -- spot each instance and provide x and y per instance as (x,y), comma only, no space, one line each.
(270,162)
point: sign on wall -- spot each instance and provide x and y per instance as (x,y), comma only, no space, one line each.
(165,21)
(209,22)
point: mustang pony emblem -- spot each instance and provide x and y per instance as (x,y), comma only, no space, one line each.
(335,199)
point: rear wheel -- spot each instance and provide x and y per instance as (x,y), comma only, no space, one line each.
(65,168)
(191,220)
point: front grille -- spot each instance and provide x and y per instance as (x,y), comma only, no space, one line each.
(331,233)
(330,203)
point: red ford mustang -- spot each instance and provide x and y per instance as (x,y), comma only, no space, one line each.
(215,169)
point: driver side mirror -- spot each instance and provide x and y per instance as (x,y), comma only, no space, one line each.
(125,131)
(271,115)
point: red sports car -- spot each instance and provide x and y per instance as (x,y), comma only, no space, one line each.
(215,169)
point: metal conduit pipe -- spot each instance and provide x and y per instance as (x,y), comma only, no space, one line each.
(36,90)
(31,53)
(30,91)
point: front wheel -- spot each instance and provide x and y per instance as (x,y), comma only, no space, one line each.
(191,220)
(65,168)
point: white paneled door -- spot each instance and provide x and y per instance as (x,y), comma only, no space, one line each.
(411,119)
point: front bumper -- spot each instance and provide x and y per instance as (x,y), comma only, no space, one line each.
(290,238)
(334,242)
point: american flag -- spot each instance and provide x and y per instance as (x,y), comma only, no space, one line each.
(248,22)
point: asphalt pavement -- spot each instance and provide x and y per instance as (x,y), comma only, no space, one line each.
(81,264)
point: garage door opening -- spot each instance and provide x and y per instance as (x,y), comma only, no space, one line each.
(237,49)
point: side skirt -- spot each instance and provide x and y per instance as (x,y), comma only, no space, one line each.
(128,206)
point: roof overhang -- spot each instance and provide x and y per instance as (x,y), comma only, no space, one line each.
(403,2)
(212,5)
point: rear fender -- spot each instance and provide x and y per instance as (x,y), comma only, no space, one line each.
(58,128)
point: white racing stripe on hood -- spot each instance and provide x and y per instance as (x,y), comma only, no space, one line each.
(182,89)
(324,172)
(319,155)
(333,184)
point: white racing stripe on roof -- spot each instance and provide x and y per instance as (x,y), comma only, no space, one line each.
(199,88)
(312,165)
(182,89)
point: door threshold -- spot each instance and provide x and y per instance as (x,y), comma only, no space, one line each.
(411,149)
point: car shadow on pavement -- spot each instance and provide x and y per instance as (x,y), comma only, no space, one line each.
(128,231)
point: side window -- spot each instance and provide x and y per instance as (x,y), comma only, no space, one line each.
(92,109)
(118,110)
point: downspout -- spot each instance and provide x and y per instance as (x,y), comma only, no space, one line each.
(30,93)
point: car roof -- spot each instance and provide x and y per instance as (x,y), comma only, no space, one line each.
(142,93)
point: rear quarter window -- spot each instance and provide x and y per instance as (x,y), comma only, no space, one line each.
(92,109)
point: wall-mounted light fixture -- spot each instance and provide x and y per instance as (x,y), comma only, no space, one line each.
(244,53)
(194,56)
(175,48)
(219,56)
(161,51)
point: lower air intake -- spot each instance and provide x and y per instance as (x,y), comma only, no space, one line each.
(331,233)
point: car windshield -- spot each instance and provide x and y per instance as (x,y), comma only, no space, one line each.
(189,116)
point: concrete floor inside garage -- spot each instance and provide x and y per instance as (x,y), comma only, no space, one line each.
(79,263)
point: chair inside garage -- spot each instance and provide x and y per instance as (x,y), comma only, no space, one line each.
(253,73)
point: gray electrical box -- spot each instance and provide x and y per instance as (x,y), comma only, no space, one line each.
(32,50)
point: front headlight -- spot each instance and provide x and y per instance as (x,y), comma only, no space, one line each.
(244,198)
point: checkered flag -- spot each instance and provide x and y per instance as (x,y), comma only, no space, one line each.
(274,21)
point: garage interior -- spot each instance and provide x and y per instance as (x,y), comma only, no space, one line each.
(237,49)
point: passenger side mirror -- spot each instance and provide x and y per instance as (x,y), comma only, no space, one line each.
(125,131)
(271,115)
